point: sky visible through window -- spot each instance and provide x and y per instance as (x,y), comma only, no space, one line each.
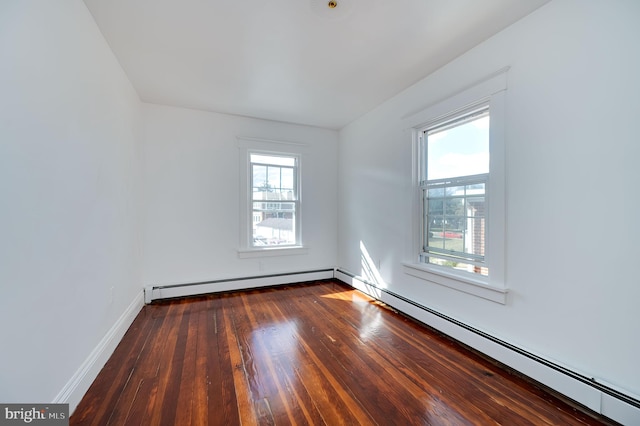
(459,151)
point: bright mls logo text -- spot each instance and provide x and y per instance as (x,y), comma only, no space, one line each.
(40,413)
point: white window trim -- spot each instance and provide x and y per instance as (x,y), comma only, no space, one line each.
(272,251)
(246,146)
(491,91)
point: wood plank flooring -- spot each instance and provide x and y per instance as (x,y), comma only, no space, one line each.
(311,354)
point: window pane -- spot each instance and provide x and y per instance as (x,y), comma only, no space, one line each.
(458,151)
(476,189)
(259,177)
(287,178)
(453,239)
(284,194)
(436,207)
(454,206)
(455,190)
(435,227)
(476,226)
(273,177)
(273,223)
(436,192)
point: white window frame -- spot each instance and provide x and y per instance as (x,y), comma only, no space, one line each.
(491,92)
(248,146)
(269,205)
(457,119)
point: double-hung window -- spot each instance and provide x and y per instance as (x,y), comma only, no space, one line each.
(459,217)
(454,190)
(274,200)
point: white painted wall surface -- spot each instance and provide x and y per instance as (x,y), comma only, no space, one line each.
(572,178)
(69,248)
(192,187)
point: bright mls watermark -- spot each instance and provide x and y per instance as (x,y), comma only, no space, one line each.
(36,414)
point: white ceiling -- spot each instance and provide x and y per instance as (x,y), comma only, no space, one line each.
(292,60)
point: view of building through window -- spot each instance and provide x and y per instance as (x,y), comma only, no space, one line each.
(454,192)
(274,199)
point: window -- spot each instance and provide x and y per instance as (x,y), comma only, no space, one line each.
(454,185)
(270,209)
(459,213)
(274,200)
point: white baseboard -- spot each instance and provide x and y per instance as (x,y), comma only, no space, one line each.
(80,382)
(232,284)
(615,404)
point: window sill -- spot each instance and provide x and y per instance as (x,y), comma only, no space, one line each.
(466,284)
(272,251)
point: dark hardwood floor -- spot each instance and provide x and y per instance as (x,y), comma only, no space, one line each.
(316,353)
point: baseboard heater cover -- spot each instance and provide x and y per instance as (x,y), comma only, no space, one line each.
(232,284)
(593,394)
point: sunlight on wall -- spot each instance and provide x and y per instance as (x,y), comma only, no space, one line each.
(369,271)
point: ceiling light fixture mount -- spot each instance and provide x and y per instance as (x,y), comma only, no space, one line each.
(336,10)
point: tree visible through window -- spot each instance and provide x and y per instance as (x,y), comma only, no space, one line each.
(274,199)
(454,190)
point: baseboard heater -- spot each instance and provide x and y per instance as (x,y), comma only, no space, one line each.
(592,393)
(232,284)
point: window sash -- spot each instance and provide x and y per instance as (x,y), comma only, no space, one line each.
(454,181)
(281,189)
(445,253)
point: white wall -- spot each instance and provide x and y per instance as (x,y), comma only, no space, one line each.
(68,195)
(572,175)
(192,216)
